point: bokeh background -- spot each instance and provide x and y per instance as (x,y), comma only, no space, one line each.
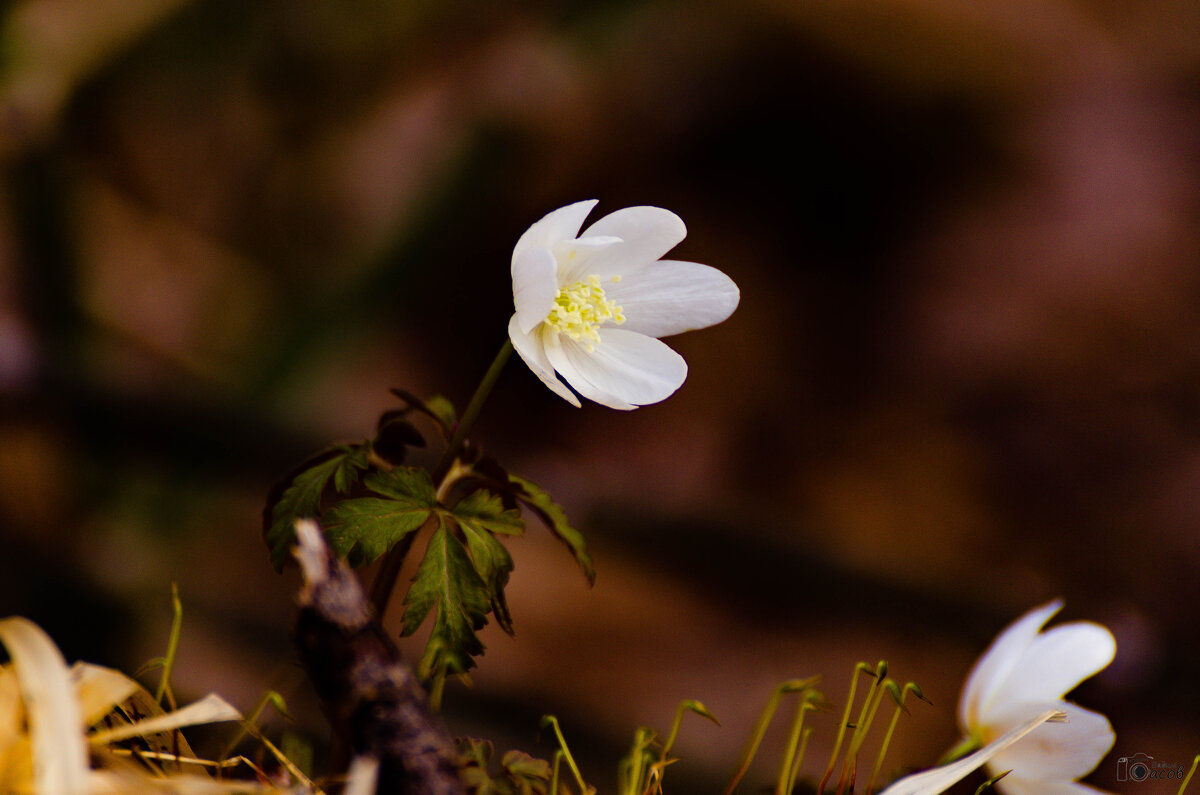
(963,379)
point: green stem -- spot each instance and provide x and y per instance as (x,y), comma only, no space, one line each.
(550,720)
(862,667)
(463,427)
(790,764)
(393,561)
(164,683)
(760,728)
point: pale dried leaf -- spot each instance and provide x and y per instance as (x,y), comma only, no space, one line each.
(210,709)
(60,760)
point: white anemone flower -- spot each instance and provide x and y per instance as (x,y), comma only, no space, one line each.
(1025,672)
(591,306)
(940,779)
(1017,686)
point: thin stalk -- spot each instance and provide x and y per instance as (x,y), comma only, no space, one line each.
(550,720)
(558,757)
(250,723)
(887,739)
(789,766)
(684,707)
(865,719)
(465,423)
(837,746)
(760,728)
(632,770)
(164,683)
(799,758)
(393,561)
(898,696)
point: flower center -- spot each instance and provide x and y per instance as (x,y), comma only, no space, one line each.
(580,309)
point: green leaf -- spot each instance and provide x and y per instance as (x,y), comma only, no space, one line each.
(301,497)
(480,515)
(555,519)
(447,581)
(529,774)
(443,410)
(394,435)
(436,408)
(346,474)
(474,750)
(364,528)
(484,510)
(493,564)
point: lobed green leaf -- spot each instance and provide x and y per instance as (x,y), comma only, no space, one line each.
(493,564)
(348,469)
(446,581)
(483,510)
(364,528)
(301,497)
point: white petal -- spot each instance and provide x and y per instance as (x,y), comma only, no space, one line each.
(1011,785)
(671,297)
(535,286)
(562,224)
(625,370)
(577,259)
(646,233)
(1057,751)
(564,352)
(993,667)
(530,348)
(1053,664)
(940,779)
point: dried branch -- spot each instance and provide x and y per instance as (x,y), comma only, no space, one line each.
(370,695)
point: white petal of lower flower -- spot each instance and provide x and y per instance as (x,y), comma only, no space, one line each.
(632,368)
(646,234)
(940,779)
(535,285)
(1055,662)
(531,350)
(1010,785)
(993,666)
(671,297)
(562,224)
(1056,751)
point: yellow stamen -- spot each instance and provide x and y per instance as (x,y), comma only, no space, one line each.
(581,308)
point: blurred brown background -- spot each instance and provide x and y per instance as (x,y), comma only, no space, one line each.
(963,378)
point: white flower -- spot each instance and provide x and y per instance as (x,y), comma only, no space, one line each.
(1016,686)
(940,779)
(591,306)
(1025,672)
